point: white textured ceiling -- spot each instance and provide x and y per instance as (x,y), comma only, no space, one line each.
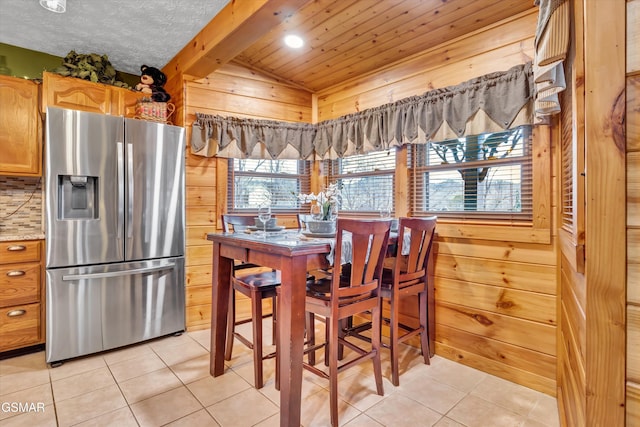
(130,32)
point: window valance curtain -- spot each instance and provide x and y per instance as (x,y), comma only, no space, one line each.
(489,103)
(551,46)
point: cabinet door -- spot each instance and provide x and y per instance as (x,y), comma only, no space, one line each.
(20,128)
(76,94)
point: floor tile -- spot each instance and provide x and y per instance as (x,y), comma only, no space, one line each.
(122,417)
(430,393)
(165,408)
(40,396)
(85,382)
(11,383)
(546,411)
(363,420)
(193,369)
(40,418)
(132,368)
(120,355)
(246,408)
(24,363)
(212,390)
(76,366)
(454,374)
(400,411)
(203,337)
(91,391)
(473,411)
(90,405)
(316,412)
(149,385)
(200,418)
(173,355)
(507,394)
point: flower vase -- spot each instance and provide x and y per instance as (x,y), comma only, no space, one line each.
(322,226)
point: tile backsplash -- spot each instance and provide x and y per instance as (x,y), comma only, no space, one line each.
(21,209)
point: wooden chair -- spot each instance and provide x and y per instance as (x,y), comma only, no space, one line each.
(340,298)
(407,276)
(257,287)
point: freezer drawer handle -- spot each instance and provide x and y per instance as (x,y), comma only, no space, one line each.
(16,273)
(70,277)
(16,248)
(16,313)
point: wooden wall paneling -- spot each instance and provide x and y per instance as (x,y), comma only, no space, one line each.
(633,36)
(447,74)
(633,189)
(494,367)
(633,213)
(199,255)
(511,302)
(604,39)
(633,404)
(633,110)
(511,275)
(542,177)
(434,68)
(633,344)
(198,317)
(199,275)
(521,358)
(574,314)
(498,250)
(512,330)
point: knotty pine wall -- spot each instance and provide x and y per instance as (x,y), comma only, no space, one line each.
(231,91)
(495,285)
(633,213)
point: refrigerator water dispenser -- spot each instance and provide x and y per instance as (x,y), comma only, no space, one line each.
(78,197)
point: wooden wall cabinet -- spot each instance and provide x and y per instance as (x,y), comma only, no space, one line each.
(79,94)
(20,128)
(21,301)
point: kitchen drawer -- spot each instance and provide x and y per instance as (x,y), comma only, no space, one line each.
(19,326)
(23,251)
(19,284)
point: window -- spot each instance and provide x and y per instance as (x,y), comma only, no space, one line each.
(366,181)
(486,175)
(256,181)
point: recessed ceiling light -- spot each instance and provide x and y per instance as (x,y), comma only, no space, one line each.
(294,41)
(58,6)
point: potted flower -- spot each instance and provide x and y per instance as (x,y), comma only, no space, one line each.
(324,208)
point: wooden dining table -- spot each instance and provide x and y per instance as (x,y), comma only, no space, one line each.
(291,255)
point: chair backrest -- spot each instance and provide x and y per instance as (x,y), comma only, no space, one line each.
(369,239)
(237,223)
(410,266)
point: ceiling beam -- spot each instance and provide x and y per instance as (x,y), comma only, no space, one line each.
(236,27)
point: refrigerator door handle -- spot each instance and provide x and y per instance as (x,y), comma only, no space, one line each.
(120,189)
(72,277)
(130,190)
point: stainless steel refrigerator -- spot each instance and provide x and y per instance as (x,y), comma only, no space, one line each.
(115,232)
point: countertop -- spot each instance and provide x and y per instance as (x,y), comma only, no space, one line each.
(21,235)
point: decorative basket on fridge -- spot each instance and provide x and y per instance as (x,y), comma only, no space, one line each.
(154,111)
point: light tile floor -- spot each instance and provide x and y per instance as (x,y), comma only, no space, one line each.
(167,382)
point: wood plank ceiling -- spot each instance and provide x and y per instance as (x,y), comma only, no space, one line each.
(349,38)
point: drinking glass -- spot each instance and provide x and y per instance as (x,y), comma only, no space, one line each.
(264,214)
(316,212)
(385,212)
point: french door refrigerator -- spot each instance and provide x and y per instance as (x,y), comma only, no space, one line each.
(115,236)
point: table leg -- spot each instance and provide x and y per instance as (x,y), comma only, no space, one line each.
(220,289)
(291,324)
